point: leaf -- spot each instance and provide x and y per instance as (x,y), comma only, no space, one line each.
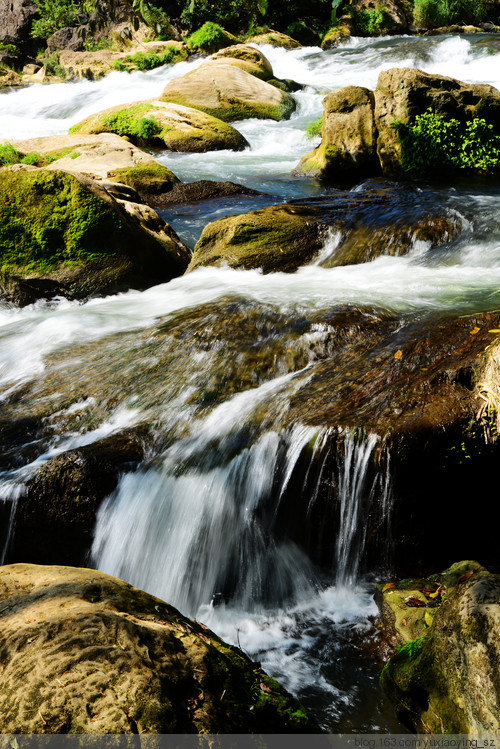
(398,354)
(387,586)
(414,602)
(466,575)
(494,330)
(428,617)
(437,592)
(475,330)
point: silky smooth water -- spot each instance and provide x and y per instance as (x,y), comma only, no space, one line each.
(195,523)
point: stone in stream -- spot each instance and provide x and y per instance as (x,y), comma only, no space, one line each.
(86,653)
(361,133)
(445,680)
(102,157)
(65,234)
(158,124)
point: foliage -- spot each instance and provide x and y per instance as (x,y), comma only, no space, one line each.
(371,21)
(434,13)
(119,65)
(9,155)
(234,15)
(130,122)
(52,66)
(94,45)
(431,141)
(209,36)
(54,15)
(314,128)
(10,49)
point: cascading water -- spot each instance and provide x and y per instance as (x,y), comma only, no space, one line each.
(206,521)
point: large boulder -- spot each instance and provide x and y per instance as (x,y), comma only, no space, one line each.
(102,157)
(9,78)
(156,123)
(86,653)
(348,138)
(17,17)
(280,238)
(447,681)
(362,130)
(143,55)
(226,91)
(79,240)
(244,57)
(274,39)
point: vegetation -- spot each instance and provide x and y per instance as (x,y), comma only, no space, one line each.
(130,122)
(434,13)
(314,128)
(209,38)
(431,141)
(370,22)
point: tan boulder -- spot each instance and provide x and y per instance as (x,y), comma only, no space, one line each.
(102,157)
(96,65)
(176,127)
(229,93)
(275,39)
(245,57)
(347,151)
(86,653)
(9,78)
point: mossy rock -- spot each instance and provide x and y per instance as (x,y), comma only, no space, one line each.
(229,93)
(209,38)
(279,238)
(86,653)
(447,681)
(157,124)
(336,35)
(246,57)
(275,39)
(63,233)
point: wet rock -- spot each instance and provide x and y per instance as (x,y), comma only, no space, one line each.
(279,238)
(55,518)
(447,681)
(157,124)
(337,34)
(109,658)
(347,152)
(80,241)
(225,91)
(204,189)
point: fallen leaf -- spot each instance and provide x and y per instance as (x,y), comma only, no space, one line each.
(413,601)
(437,592)
(428,617)
(387,586)
(398,354)
(494,330)
(466,576)
(475,331)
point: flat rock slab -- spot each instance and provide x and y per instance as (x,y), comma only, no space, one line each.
(83,652)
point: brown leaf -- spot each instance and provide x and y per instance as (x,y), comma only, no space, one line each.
(413,601)
(398,354)
(387,586)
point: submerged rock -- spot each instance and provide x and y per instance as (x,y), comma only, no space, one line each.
(79,240)
(447,681)
(204,189)
(86,653)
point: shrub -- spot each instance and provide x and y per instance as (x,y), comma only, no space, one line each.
(52,66)
(431,141)
(370,22)
(433,13)
(314,128)
(233,15)
(119,65)
(209,36)
(9,155)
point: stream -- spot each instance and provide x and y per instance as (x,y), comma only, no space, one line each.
(196,524)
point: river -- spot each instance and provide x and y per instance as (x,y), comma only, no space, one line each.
(195,524)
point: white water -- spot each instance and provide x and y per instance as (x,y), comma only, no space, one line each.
(183,527)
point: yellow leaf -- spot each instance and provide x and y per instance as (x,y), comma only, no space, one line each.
(494,330)
(428,617)
(475,330)
(387,586)
(398,354)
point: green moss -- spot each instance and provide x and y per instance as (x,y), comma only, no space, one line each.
(9,155)
(49,218)
(209,38)
(128,122)
(314,128)
(146,178)
(230,112)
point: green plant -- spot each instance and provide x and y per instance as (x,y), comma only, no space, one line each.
(131,124)
(94,45)
(234,15)
(52,66)
(314,128)
(8,154)
(10,49)
(32,159)
(432,141)
(209,36)
(119,65)
(370,21)
(144,61)
(434,13)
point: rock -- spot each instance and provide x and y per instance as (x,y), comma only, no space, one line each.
(279,238)
(403,93)
(245,57)
(447,682)
(91,65)
(336,35)
(347,152)
(229,93)
(108,658)
(210,38)
(17,17)
(102,157)
(372,17)
(204,189)
(55,518)
(31,69)
(67,38)
(275,39)
(9,78)
(80,240)
(155,123)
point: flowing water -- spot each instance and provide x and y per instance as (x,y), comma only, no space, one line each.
(201,522)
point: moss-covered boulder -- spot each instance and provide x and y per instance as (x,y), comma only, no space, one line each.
(274,39)
(104,157)
(210,37)
(158,124)
(347,151)
(402,94)
(226,91)
(63,233)
(246,58)
(9,78)
(279,238)
(337,34)
(447,680)
(86,653)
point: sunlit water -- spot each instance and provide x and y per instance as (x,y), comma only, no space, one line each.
(173,531)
